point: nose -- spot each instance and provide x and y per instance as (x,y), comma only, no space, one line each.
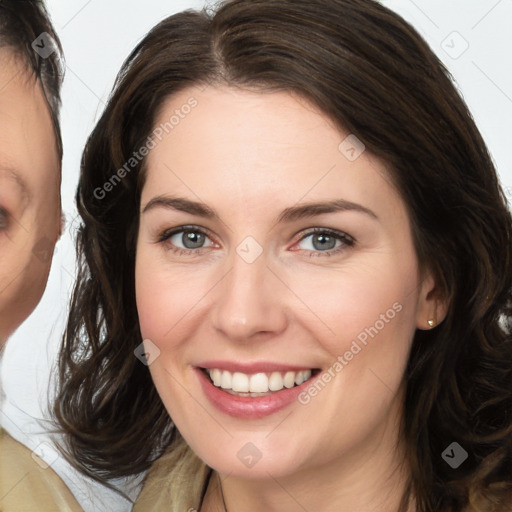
(250,302)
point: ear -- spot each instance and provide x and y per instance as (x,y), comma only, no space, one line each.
(432,305)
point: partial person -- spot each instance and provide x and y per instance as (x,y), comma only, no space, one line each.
(32,475)
(30,215)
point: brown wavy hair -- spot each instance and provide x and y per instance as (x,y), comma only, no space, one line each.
(371,73)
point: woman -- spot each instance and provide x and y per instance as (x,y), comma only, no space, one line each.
(30,216)
(295,284)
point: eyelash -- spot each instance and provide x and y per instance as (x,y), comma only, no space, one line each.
(347,240)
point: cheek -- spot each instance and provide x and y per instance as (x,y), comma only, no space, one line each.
(162,299)
(372,312)
(168,298)
(165,300)
(362,302)
(24,271)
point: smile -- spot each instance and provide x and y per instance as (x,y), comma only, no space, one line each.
(258,383)
(253,391)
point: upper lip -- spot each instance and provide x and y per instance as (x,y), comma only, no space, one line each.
(251,368)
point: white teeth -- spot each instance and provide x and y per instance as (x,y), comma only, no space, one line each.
(302,377)
(257,383)
(289,379)
(216,376)
(275,382)
(225,381)
(240,382)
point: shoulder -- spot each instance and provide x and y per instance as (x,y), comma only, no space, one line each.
(27,483)
(176,481)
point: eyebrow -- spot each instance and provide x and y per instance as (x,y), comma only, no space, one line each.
(293,213)
(13,174)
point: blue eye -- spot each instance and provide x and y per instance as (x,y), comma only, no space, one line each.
(325,242)
(190,240)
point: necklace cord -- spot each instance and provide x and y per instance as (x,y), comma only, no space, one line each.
(222,495)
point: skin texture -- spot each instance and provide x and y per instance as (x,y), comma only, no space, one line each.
(30,215)
(250,155)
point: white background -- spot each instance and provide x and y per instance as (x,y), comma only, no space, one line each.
(97,35)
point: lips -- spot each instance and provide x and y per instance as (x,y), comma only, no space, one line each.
(252,391)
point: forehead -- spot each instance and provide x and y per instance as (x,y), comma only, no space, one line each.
(248,142)
(247,113)
(28,145)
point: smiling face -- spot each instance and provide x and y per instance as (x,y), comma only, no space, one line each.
(253,291)
(29,193)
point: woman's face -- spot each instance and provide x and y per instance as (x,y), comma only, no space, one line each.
(250,294)
(29,193)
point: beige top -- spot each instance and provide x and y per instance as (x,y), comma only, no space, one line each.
(25,486)
(176,482)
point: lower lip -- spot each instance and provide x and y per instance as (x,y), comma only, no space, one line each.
(245,406)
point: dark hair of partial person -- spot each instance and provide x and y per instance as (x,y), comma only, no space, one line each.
(374,76)
(21,23)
